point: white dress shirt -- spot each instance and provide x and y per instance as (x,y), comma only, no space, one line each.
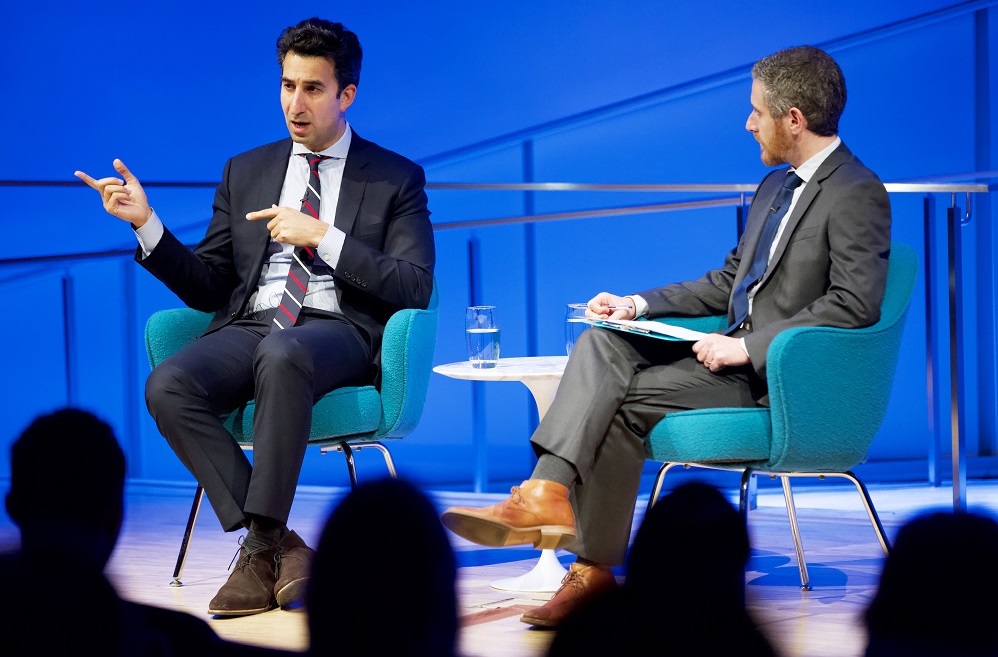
(322,292)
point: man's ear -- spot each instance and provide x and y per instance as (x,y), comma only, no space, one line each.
(346,96)
(796,121)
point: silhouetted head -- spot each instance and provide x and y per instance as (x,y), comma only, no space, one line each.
(934,592)
(684,588)
(384,571)
(693,536)
(67,479)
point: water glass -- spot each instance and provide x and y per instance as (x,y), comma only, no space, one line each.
(575,324)
(482,333)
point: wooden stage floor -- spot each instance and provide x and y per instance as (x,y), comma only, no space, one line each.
(843,554)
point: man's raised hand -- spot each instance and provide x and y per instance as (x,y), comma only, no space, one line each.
(122,197)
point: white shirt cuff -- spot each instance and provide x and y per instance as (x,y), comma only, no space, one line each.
(640,305)
(331,246)
(149,234)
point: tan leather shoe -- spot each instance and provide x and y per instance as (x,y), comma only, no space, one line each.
(293,569)
(580,584)
(537,511)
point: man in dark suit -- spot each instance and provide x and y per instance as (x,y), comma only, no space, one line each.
(370,253)
(824,263)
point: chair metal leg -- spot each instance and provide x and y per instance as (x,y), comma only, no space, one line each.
(788,496)
(747,500)
(870,511)
(752,491)
(348,451)
(656,488)
(747,493)
(185,543)
(389,463)
(351,466)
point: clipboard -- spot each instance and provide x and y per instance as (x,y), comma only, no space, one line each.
(650,328)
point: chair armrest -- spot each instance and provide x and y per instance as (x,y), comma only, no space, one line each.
(708,324)
(168,330)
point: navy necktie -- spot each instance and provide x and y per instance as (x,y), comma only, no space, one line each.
(301,263)
(760,259)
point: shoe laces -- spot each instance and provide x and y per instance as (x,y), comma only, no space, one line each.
(573,579)
(248,546)
(514,495)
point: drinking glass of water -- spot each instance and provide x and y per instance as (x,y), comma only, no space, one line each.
(575,324)
(482,332)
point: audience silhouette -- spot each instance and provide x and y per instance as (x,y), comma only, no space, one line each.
(934,595)
(66,498)
(360,600)
(684,586)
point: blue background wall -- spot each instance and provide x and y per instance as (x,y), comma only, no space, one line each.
(549,91)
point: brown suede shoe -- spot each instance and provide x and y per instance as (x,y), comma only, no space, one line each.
(250,587)
(537,511)
(293,569)
(579,584)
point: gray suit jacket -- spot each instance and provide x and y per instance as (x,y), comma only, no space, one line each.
(829,267)
(387,259)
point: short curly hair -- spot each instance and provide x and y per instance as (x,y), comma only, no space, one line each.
(807,78)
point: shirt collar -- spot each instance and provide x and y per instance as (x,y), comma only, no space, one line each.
(806,170)
(338,150)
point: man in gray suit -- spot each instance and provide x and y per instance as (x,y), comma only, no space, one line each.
(822,260)
(300,301)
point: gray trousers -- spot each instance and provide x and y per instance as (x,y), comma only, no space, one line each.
(615,388)
(284,371)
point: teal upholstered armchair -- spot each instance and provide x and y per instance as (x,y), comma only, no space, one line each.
(346,419)
(828,389)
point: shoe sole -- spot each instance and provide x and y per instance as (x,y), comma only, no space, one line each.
(291,592)
(538,622)
(498,534)
(238,612)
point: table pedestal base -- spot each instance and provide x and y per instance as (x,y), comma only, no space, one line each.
(544,577)
(541,375)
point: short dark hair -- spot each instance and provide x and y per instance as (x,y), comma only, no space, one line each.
(372,522)
(65,464)
(316,37)
(807,78)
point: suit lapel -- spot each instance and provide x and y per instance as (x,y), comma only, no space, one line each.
(353,185)
(265,189)
(807,196)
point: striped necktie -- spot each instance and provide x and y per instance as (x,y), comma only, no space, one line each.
(301,262)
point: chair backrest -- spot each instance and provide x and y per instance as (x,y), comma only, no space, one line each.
(406,367)
(829,388)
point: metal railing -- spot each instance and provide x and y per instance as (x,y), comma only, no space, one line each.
(730,195)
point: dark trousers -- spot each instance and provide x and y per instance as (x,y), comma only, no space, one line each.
(615,388)
(284,371)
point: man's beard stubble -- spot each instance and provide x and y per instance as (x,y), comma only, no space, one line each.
(776,151)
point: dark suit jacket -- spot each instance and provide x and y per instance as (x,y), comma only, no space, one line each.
(387,259)
(829,267)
